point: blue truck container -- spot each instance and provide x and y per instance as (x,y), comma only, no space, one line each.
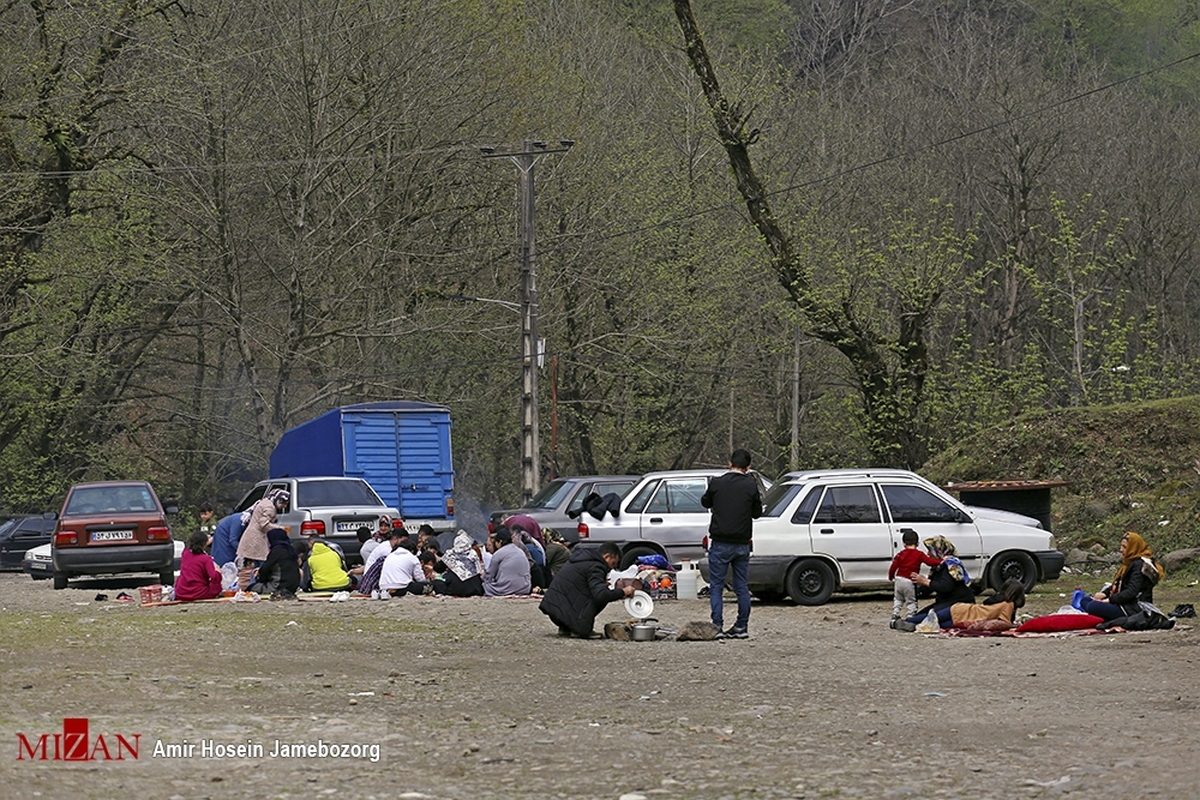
(400,447)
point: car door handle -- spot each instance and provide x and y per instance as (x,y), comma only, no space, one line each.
(655,520)
(826,530)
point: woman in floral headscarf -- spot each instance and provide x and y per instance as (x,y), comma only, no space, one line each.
(464,569)
(948,581)
(1132,585)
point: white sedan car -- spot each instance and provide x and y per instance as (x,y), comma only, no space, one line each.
(39,566)
(825,531)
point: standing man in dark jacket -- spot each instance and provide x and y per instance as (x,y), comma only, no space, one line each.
(580,590)
(735,503)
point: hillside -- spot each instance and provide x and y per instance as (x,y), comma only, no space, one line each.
(1130,467)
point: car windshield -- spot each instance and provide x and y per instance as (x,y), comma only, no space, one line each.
(318,494)
(107,499)
(550,495)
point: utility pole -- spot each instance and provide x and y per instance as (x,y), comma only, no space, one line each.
(531,152)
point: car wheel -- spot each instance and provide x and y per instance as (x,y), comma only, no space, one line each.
(631,557)
(810,583)
(167,577)
(1016,565)
(60,580)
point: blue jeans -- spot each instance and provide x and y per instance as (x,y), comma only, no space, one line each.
(944,618)
(723,558)
(1096,608)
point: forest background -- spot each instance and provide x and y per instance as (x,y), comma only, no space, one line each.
(220,219)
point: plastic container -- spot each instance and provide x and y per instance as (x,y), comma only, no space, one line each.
(686,581)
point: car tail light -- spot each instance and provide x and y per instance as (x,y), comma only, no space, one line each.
(583,530)
(449,506)
(66,537)
(491,527)
(158,534)
(312,527)
(704,543)
(397,524)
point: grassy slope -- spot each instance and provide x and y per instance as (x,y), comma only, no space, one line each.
(1130,467)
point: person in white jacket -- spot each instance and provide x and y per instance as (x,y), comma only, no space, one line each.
(402,573)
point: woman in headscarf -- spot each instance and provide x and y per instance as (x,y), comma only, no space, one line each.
(254,547)
(1132,585)
(948,581)
(464,569)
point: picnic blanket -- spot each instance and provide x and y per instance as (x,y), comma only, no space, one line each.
(952,633)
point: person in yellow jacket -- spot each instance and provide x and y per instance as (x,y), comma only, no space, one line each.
(326,571)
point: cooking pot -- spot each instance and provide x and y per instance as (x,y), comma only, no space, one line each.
(643,632)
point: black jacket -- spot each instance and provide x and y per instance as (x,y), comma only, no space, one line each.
(282,568)
(579,592)
(1133,587)
(735,503)
(946,590)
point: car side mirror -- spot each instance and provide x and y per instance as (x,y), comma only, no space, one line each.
(50,515)
(962,516)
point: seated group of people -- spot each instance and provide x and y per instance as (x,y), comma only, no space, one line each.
(1131,589)
(517,559)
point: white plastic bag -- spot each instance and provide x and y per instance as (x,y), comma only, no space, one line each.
(229,581)
(614,576)
(930,624)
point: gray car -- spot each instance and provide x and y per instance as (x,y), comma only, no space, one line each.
(560,503)
(332,507)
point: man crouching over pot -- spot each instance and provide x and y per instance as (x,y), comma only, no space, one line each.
(580,590)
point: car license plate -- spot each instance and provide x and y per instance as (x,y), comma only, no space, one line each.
(111,536)
(350,527)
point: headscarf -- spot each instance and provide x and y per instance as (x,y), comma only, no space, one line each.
(462,559)
(533,548)
(943,548)
(277,537)
(253,543)
(282,494)
(551,535)
(385,524)
(1136,549)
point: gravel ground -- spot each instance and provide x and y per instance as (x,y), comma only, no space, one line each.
(479,698)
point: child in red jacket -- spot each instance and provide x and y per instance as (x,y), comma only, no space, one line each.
(906,562)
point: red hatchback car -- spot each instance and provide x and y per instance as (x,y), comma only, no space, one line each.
(112,527)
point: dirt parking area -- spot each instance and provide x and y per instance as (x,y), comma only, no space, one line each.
(479,698)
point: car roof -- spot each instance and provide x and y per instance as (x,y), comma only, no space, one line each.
(306,478)
(95,484)
(685,473)
(877,472)
(597,477)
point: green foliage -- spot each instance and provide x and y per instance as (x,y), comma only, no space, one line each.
(1129,467)
(748,25)
(1127,37)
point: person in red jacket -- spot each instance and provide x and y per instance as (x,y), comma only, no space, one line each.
(906,562)
(198,576)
